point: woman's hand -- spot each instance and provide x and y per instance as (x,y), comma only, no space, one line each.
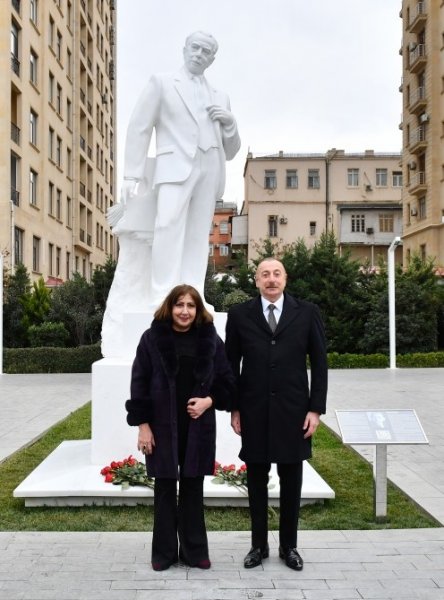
(145,441)
(197,406)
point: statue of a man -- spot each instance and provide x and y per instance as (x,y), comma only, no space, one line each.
(195,134)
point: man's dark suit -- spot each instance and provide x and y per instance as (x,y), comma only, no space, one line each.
(274,396)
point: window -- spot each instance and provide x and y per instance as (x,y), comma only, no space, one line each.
(69,14)
(224,250)
(422,208)
(292,178)
(68,265)
(68,212)
(312,227)
(397,178)
(59,46)
(386,222)
(272,226)
(14,43)
(51,32)
(50,259)
(33,120)
(69,163)
(69,63)
(35,253)
(59,205)
(270,180)
(68,113)
(33,11)
(357,223)
(57,265)
(32,187)
(51,88)
(223,227)
(353,177)
(211,250)
(59,99)
(18,245)
(423,252)
(313,179)
(381,177)
(51,198)
(15,166)
(51,144)
(59,152)
(33,73)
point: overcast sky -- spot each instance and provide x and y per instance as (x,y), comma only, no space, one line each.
(301,76)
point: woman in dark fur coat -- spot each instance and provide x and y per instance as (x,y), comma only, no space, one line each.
(179,377)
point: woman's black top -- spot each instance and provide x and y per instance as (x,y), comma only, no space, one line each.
(185,345)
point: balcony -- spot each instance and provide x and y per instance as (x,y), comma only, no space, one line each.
(417,58)
(417,141)
(15,196)
(418,100)
(418,18)
(15,133)
(417,183)
(15,64)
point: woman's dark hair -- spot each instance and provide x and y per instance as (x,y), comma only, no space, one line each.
(165,310)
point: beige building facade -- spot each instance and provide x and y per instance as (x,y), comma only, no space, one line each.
(57,126)
(422,124)
(299,196)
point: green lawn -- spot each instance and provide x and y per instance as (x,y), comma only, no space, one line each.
(341,467)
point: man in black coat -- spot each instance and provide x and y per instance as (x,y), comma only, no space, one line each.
(276,410)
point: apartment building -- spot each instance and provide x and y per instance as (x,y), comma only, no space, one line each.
(57,126)
(220,235)
(299,196)
(422,125)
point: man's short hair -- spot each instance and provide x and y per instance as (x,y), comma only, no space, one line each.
(211,39)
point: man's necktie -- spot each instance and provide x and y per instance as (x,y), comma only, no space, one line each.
(271,317)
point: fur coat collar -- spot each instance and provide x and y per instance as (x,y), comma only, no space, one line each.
(163,339)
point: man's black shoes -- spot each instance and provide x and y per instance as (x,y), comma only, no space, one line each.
(292,558)
(255,556)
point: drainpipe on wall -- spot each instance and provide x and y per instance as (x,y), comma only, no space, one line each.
(328,158)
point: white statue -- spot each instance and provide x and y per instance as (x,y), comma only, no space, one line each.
(169,203)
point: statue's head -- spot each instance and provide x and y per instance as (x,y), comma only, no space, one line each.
(199,52)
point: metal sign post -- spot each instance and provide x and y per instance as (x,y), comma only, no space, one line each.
(380,428)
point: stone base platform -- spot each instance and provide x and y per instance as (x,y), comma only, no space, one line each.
(67,478)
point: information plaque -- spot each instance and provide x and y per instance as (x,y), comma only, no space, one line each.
(380,427)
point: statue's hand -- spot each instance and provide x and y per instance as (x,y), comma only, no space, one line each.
(217,113)
(129,190)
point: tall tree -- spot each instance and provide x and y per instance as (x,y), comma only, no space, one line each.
(15,287)
(73,304)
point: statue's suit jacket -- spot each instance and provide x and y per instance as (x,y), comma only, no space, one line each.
(274,394)
(167,104)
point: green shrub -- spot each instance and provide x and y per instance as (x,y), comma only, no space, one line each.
(357,361)
(80,359)
(418,360)
(48,334)
(51,360)
(234,297)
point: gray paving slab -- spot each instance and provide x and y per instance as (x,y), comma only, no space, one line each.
(338,565)
(32,404)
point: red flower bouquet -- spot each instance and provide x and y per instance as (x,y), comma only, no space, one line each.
(127,472)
